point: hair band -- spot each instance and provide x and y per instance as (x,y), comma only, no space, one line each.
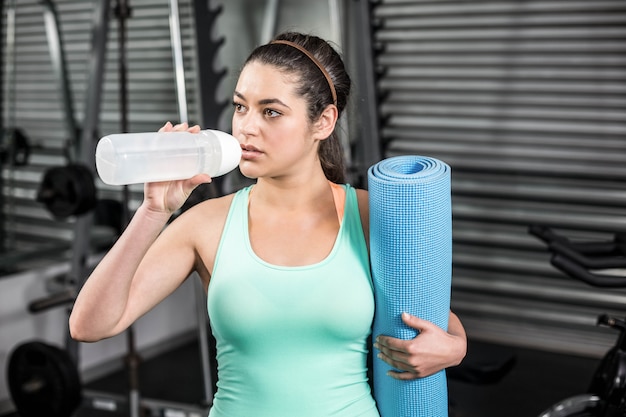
(316,62)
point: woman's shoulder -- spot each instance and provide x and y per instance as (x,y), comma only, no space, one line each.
(210,212)
(202,225)
(361,195)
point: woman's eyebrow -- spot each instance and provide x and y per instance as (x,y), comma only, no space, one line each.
(273,101)
(264,101)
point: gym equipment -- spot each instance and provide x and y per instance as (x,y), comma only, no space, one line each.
(133,401)
(411,260)
(483,366)
(208,83)
(59,66)
(606,396)
(73,200)
(122,13)
(16,149)
(68,190)
(43,381)
(575,259)
(208,76)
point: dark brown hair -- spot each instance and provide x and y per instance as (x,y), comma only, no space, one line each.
(313,86)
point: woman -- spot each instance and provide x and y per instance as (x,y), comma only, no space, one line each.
(284,261)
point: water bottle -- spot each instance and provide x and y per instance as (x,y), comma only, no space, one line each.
(133,158)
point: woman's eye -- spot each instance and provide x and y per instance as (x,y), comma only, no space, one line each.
(238,107)
(271,113)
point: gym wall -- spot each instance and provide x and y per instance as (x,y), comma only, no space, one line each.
(526,101)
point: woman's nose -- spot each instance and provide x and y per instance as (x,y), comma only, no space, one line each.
(246,124)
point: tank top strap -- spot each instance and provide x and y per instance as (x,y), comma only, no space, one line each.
(339,195)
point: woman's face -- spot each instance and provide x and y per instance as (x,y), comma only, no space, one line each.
(270,121)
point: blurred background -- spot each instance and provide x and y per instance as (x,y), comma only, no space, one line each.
(525,100)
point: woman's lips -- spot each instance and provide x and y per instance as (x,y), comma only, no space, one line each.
(249,152)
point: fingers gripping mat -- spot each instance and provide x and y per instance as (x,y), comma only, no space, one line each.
(411,260)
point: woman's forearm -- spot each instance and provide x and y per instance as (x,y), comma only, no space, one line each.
(455,328)
(103,298)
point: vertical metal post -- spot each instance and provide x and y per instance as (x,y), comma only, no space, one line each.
(122,12)
(99,34)
(201,312)
(208,78)
(337,33)
(269,21)
(59,65)
(9,65)
(369,150)
(80,245)
(7,239)
(179,65)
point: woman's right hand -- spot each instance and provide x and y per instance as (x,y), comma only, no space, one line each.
(168,196)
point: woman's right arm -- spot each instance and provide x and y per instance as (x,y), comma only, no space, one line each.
(136,274)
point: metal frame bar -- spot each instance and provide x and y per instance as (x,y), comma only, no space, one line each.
(59,65)
(369,150)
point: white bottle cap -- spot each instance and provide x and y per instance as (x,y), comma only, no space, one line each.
(231,152)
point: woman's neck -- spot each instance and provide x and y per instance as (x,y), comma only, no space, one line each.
(292,193)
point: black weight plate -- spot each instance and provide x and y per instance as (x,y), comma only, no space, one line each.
(68,190)
(43,381)
(86,189)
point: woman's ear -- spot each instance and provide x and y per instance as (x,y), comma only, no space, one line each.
(325,125)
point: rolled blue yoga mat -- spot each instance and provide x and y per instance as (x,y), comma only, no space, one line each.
(411,260)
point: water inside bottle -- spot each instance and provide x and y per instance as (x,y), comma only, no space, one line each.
(137,161)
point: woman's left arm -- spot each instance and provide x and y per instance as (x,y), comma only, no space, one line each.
(432,350)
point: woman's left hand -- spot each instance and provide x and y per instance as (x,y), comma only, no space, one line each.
(432,350)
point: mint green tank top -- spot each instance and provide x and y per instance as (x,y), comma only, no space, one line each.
(291,341)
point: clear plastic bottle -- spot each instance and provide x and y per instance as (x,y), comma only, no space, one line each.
(133,158)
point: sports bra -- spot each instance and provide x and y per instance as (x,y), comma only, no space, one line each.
(292,341)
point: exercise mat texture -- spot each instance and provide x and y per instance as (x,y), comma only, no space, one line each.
(411,260)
